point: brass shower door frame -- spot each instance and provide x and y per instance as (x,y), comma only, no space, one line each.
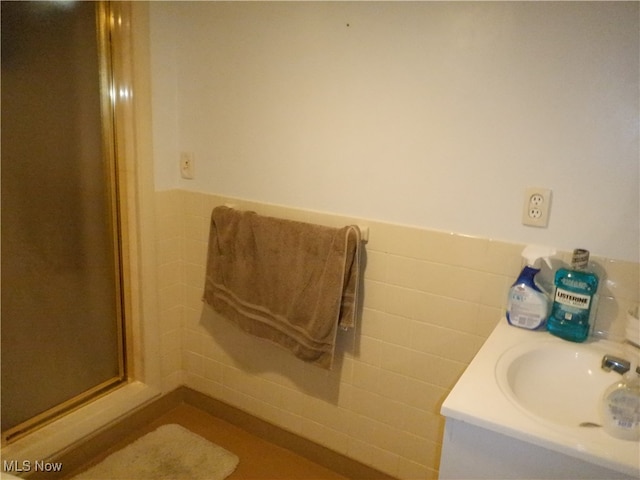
(112,22)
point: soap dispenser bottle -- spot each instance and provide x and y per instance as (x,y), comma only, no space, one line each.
(620,408)
(575,291)
(528,304)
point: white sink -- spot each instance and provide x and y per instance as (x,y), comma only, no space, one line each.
(561,383)
(535,391)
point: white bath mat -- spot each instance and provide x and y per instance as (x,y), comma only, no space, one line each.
(171,452)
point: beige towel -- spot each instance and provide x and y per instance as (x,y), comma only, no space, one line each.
(289,282)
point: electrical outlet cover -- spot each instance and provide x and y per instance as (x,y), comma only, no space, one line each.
(536,207)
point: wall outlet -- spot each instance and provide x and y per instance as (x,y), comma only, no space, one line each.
(187,165)
(536,208)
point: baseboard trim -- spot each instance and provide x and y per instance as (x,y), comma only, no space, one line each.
(86,449)
(79,454)
(306,448)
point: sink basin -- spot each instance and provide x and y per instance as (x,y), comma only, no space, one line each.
(561,383)
(527,393)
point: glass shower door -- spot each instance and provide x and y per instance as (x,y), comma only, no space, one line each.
(61,331)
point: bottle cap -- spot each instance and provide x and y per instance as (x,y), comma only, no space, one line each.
(580,259)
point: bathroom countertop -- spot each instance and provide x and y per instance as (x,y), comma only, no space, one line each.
(478,399)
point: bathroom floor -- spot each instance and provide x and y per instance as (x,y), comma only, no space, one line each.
(259,459)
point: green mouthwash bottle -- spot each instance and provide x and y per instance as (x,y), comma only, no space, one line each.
(575,291)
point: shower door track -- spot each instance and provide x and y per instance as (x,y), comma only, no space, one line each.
(54,413)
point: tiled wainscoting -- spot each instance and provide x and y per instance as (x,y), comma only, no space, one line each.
(430,301)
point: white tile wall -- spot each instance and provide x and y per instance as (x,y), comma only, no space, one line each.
(430,300)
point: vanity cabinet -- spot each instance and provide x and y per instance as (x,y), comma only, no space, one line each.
(471,452)
(518,410)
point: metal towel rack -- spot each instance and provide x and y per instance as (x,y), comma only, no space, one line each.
(364,230)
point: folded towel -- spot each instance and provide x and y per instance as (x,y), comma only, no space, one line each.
(289,282)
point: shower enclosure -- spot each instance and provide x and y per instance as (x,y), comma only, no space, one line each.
(62,329)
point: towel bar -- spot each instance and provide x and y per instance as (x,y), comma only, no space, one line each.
(364,231)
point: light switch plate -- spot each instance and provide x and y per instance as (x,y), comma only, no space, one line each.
(187,165)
